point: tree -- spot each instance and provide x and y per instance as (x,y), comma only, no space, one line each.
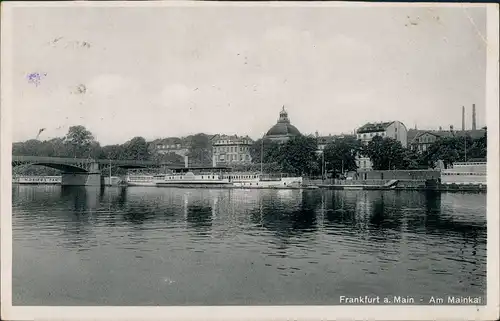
(171,158)
(30,147)
(200,149)
(299,156)
(451,150)
(79,142)
(479,147)
(413,160)
(112,152)
(385,153)
(271,149)
(136,149)
(341,154)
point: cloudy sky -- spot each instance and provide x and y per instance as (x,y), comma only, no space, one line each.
(172,71)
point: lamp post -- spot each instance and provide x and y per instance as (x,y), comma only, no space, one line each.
(465,146)
(322,165)
(261,155)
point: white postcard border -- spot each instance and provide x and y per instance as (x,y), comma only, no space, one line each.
(491,311)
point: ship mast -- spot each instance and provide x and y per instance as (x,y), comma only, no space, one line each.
(261,155)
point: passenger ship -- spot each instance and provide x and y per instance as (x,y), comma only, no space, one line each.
(143,180)
(214,177)
(258,180)
(192,179)
(474,173)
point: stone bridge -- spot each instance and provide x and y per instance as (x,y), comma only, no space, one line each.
(84,171)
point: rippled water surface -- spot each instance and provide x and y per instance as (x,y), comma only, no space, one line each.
(154,246)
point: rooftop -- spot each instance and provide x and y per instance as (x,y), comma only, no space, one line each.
(374,127)
(283,126)
(413,134)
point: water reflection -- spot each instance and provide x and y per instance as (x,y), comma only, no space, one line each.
(328,240)
(287,214)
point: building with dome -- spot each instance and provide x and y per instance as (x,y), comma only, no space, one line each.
(283,130)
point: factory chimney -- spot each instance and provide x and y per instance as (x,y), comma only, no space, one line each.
(473,116)
(463,118)
(186,162)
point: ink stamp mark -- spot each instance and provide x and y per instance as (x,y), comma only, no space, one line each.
(35,78)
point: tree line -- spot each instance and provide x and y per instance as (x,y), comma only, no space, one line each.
(297,156)
(79,142)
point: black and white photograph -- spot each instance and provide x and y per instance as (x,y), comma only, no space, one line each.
(253,159)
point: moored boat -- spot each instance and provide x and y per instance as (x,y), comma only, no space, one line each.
(52,180)
(191,179)
(143,180)
(257,180)
(473,173)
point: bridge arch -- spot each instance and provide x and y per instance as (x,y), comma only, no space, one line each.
(65,168)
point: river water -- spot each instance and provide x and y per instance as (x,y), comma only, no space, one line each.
(162,246)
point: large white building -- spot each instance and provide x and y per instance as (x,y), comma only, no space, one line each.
(393,129)
(170,145)
(231,149)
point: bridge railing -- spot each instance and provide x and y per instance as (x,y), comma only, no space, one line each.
(44,159)
(68,160)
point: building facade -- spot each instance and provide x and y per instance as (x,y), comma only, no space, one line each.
(231,149)
(170,145)
(421,140)
(283,130)
(393,129)
(323,141)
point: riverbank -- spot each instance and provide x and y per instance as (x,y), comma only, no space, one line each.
(409,185)
(438,188)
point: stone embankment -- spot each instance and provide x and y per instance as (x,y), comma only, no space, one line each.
(416,184)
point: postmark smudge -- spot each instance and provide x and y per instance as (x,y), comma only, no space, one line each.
(35,78)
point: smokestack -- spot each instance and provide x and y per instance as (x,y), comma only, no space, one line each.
(214,161)
(463,118)
(186,162)
(473,116)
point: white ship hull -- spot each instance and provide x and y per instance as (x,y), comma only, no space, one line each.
(282,183)
(212,180)
(193,180)
(470,173)
(142,180)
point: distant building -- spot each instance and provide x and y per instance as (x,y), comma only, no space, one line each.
(393,129)
(421,140)
(323,141)
(169,145)
(283,130)
(231,149)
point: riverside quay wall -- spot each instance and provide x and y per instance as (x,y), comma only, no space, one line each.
(398,174)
